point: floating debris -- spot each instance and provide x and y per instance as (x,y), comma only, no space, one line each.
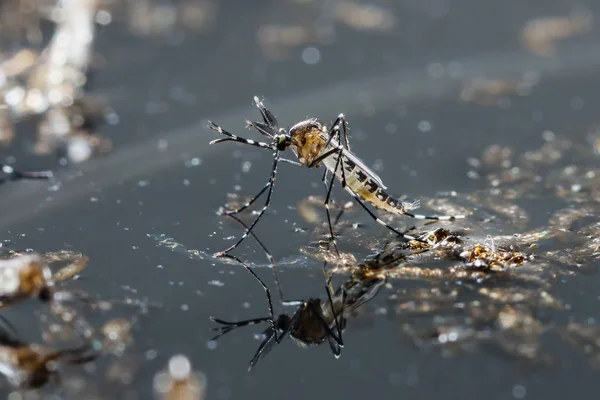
(179,381)
(540,35)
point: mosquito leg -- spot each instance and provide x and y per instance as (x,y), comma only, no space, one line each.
(14,175)
(342,119)
(430,217)
(272,264)
(335,130)
(247,204)
(327,198)
(338,327)
(266,289)
(233,138)
(436,217)
(262,211)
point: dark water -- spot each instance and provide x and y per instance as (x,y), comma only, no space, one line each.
(113,208)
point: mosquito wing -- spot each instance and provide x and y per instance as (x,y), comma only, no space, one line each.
(368,171)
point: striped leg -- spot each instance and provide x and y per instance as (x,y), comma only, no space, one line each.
(433,217)
(335,130)
(228,326)
(233,138)
(262,211)
(337,343)
(273,266)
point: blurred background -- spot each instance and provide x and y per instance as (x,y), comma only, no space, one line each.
(114,97)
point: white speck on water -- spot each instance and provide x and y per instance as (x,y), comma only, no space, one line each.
(435,70)
(246,305)
(135,247)
(246,166)
(378,165)
(216,283)
(390,128)
(162,144)
(185,307)
(194,162)
(143,183)
(55,188)
(151,354)
(159,266)
(186,182)
(211,344)
(93,199)
(424,126)
(519,391)
(311,55)
(237,188)
(103,17)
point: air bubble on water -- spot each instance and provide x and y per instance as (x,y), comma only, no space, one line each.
(216,283)
(211,344)
(194,162)
(246,166)
(378,165)
(311,55)
(151,354)
(519,391)
(424,126)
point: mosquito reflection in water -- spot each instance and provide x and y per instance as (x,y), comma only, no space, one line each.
(316,321)
(27,365)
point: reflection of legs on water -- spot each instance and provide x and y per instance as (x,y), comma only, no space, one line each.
(273,267)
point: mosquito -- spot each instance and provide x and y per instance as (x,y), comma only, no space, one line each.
(316,145)
(28,366)
(315,321)
(15,175)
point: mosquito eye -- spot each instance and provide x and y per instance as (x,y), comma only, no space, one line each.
(282,142)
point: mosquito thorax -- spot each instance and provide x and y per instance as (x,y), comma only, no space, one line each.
(308,140)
